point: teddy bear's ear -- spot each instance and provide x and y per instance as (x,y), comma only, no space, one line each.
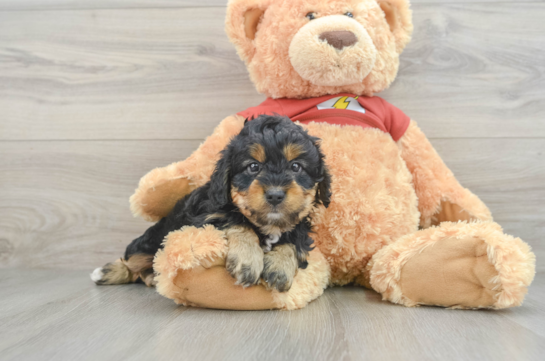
(399,18)
(241,25)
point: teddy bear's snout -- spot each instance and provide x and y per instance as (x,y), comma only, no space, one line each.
(333,50)
(339,39)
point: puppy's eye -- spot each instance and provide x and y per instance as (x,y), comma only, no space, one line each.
(254,168)
(296,167)
(311,16)
(349,14)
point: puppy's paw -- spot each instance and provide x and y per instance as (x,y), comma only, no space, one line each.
(114,273)
(245,257)
(245,265)
(280,267)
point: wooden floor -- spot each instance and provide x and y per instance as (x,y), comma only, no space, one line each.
(95,93)
(61,315)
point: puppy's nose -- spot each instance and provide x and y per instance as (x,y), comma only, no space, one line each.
(339,39)
(275,196)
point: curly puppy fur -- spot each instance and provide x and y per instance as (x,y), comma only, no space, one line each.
(261,194)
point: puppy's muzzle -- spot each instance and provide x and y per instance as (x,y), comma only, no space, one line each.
(275,196)
(339,39)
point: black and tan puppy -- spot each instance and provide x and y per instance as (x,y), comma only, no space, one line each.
(262,192)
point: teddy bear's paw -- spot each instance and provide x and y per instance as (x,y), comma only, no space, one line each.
(280,267)
(455,265)
(454,272)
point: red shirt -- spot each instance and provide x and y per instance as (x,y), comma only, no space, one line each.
(340,109)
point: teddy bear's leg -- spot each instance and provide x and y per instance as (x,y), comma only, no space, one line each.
(457,265)
(160,189)
(191,271)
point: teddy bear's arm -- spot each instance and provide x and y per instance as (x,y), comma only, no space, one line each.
(160,189)
(441,198)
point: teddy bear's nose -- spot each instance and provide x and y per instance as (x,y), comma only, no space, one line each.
(339,39)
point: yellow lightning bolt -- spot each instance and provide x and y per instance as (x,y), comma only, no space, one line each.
(341,103)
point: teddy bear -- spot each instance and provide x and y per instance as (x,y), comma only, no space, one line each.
(398,223)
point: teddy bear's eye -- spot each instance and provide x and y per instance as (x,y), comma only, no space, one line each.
(349,14)
(311,16)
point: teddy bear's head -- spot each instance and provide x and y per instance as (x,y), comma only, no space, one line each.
(310,48)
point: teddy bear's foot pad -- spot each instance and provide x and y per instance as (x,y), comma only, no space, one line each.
(456,265)
(451,273)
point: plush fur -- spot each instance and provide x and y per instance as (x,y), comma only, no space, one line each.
(398,217)
(374,202)
(268,60)
(512,259)
(191,271)
(435,185)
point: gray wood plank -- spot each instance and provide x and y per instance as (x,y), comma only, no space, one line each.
(61,315)
(37,5)
(462,77)
(532,314)
(372,327)
(68,201)
(77,85)
(64,204)
(171,74)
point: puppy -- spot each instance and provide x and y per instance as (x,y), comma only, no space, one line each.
(261,194)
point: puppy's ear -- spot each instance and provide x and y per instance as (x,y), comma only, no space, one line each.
(323,193)
(220,181)
(241,25)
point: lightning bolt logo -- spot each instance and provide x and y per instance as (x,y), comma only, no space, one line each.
(343,103)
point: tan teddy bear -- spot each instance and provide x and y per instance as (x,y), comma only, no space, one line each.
(399,222)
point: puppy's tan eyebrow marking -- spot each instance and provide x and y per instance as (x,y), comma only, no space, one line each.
(292,151)
(258,152)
